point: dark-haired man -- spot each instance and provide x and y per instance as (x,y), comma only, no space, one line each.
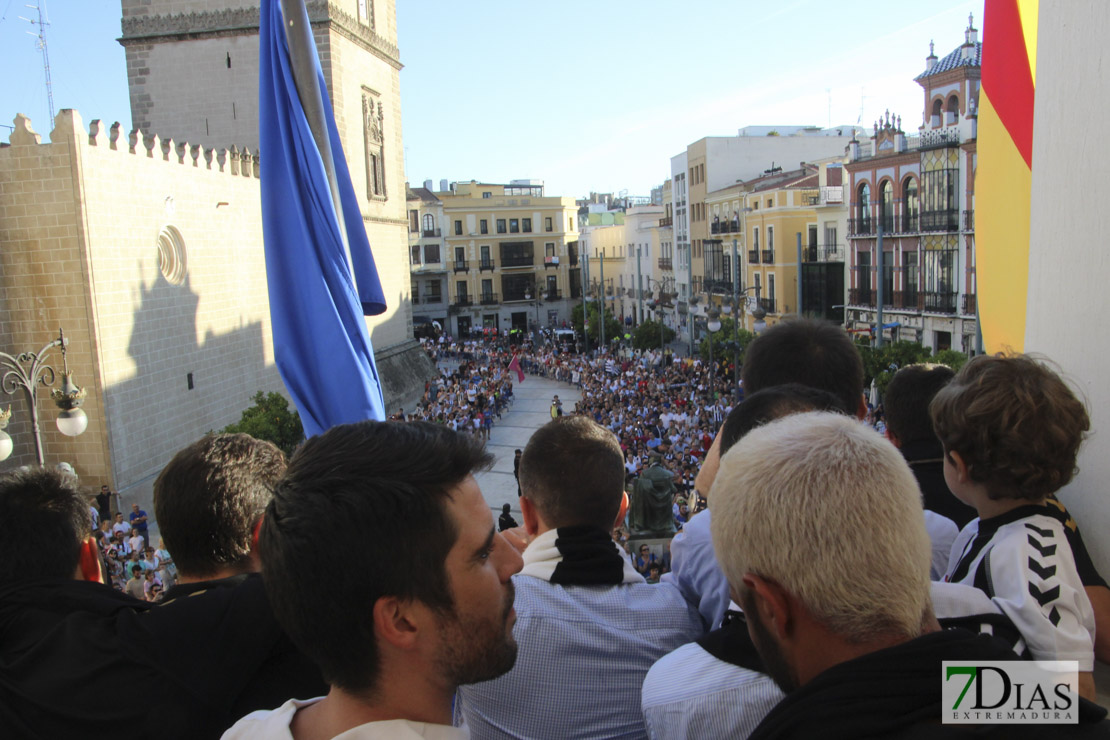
(589,627)
(69,641)
(910,428)
(209,501)
(393,642)
(817,354)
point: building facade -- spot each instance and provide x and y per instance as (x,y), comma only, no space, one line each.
(914,196)
(427,258)
(511,257)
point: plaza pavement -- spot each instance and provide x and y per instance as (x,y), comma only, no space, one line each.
(531,409)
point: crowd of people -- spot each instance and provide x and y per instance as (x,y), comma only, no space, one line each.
(817,596)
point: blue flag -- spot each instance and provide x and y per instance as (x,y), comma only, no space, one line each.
(321,343)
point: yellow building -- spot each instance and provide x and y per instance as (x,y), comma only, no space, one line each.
(511,256)
(770,226)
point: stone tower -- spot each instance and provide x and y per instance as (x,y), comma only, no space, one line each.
(192,68)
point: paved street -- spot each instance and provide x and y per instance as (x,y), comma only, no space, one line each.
(530,411)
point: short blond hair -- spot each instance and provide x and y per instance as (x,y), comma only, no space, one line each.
(829,510)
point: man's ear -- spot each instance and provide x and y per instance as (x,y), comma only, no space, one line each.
(395,622)
(622,510)
(861,408)
(776,608)
(892,437)
(530,516)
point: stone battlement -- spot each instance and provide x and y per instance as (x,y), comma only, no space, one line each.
(233,161)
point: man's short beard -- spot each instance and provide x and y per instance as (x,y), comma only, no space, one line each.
(774,662)
(474,650)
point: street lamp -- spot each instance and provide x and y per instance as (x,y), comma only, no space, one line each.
(713,324)
(25,371)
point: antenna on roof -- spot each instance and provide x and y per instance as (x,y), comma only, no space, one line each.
(41,36)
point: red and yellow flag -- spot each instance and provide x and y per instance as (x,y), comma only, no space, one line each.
(1003,178)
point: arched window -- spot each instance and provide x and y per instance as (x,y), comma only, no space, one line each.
(863,209)
(910,205)
(952,111)
(886,206)
(429,224)
(934,120)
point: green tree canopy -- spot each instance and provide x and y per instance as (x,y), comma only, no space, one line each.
(613,328)
(724,342)
(646,335)
(271,419)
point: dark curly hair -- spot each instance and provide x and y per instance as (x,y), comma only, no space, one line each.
(1015,422)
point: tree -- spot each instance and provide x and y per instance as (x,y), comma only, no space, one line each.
(271,419)
(646,335)
(880,363)
(953,358)
(724,342)
(612,326)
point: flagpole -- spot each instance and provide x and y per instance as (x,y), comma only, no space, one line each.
(298,34)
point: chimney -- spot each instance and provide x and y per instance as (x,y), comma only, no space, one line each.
(427,184)
(931,60)
(823,177)
(443,186)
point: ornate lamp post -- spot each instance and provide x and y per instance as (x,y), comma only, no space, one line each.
(713,324)
(26,371)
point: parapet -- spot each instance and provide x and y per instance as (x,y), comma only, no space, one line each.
(67,124)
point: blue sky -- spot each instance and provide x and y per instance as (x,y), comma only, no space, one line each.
(582,94)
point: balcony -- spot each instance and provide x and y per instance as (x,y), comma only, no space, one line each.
(768,256)
(768,305)
(430,299)
(903,299)
(861,297)
(860,226)
(462,266)
(666,263)
(909,223)
(753,256)
(489,299)
(947,220)
(430,233)
(715,228)
(486,265)
(553,295)
(823,253)
(462,301)
(518,295)
(666,221)
(575,290)
(550,261)
(969,220)
(939,302)
(517,261)
(970,305)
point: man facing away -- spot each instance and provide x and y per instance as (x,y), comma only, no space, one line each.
(209,501)
(382,563)
(837,607)
(589,627)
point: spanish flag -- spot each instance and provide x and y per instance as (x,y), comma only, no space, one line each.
(1003,179)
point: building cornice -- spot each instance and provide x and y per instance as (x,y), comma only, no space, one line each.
(245,21)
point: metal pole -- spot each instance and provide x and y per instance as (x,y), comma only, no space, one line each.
(585,313)
(690,287)
(799,273)
(601,300)
(639,290)
(736,317)
(879,280)
(298,35)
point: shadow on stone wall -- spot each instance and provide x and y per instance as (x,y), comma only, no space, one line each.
(156,413)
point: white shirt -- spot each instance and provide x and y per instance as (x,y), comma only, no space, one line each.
(273,724)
